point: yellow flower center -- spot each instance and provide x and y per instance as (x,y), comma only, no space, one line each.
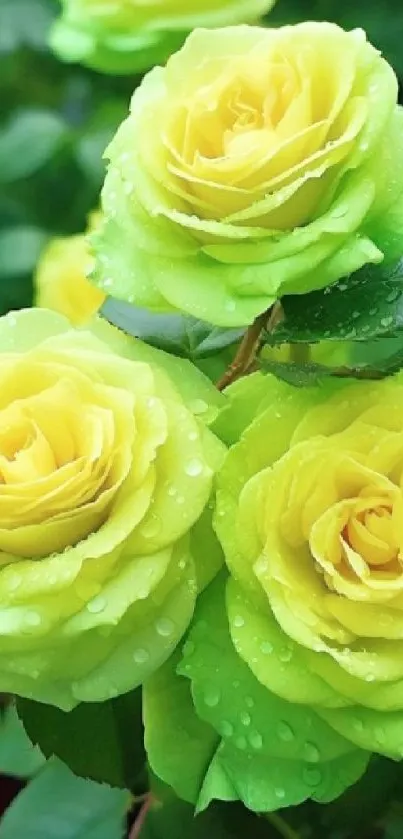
(259,134)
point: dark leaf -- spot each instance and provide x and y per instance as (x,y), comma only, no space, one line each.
(58,804)
(102,741)
(28,141)
(20,248)
(18,757)
(363,306)
(178,334)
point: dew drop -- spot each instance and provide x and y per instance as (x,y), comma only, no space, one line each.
(33,619)
(311,753)
(255,740)
(266,647)
(226,729)
(285,732)
(249,702)
(212,697)
(151,527)
(198,406)
(236,684)
(355,315)
(230,306)
(370,677)
(98,604)
(188,648)
(141,656)
(312,776)
(165,627)
(286,654)
(194,468)
(385,322)
(245,718)
(193,436)
(279,792)
(239,621)
(172,491)
(180,499)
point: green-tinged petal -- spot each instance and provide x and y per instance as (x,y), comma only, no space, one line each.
(179,745)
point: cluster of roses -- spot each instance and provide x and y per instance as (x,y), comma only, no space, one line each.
(238,554)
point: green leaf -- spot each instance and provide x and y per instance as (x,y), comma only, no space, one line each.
(178,334)
(18,757)
(24,22)
(368,304)
(20,248)
(57,804)
(28,141)
(102,741)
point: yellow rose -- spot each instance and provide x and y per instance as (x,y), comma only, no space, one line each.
(104,471)
(61,278)
(129,36)
(310,511)
(257,163)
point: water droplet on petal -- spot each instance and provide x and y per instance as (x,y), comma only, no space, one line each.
(98,604)
(266,647)
(212,697)
(33,619)
(198,406)
(279,792)
(141,656)
(239,621)
(193,436)
(226,729)
(285,732)
(188,648)
(165,627)
(286,654)
(151,527)
(245,718)
(311,753)
(312,776)
(256,740)
(194,468)
(249,702)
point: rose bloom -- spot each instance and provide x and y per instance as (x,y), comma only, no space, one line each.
(61,278)
(105,470)
(259,162)
(309,513)
(130,36)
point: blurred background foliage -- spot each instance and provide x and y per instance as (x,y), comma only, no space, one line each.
(55,121)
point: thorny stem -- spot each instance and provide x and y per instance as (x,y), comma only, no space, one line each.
(140,821)
(283,829)
(249,347)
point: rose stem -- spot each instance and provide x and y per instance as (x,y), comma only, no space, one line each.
(248,348)
(283,829)
(139,823)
